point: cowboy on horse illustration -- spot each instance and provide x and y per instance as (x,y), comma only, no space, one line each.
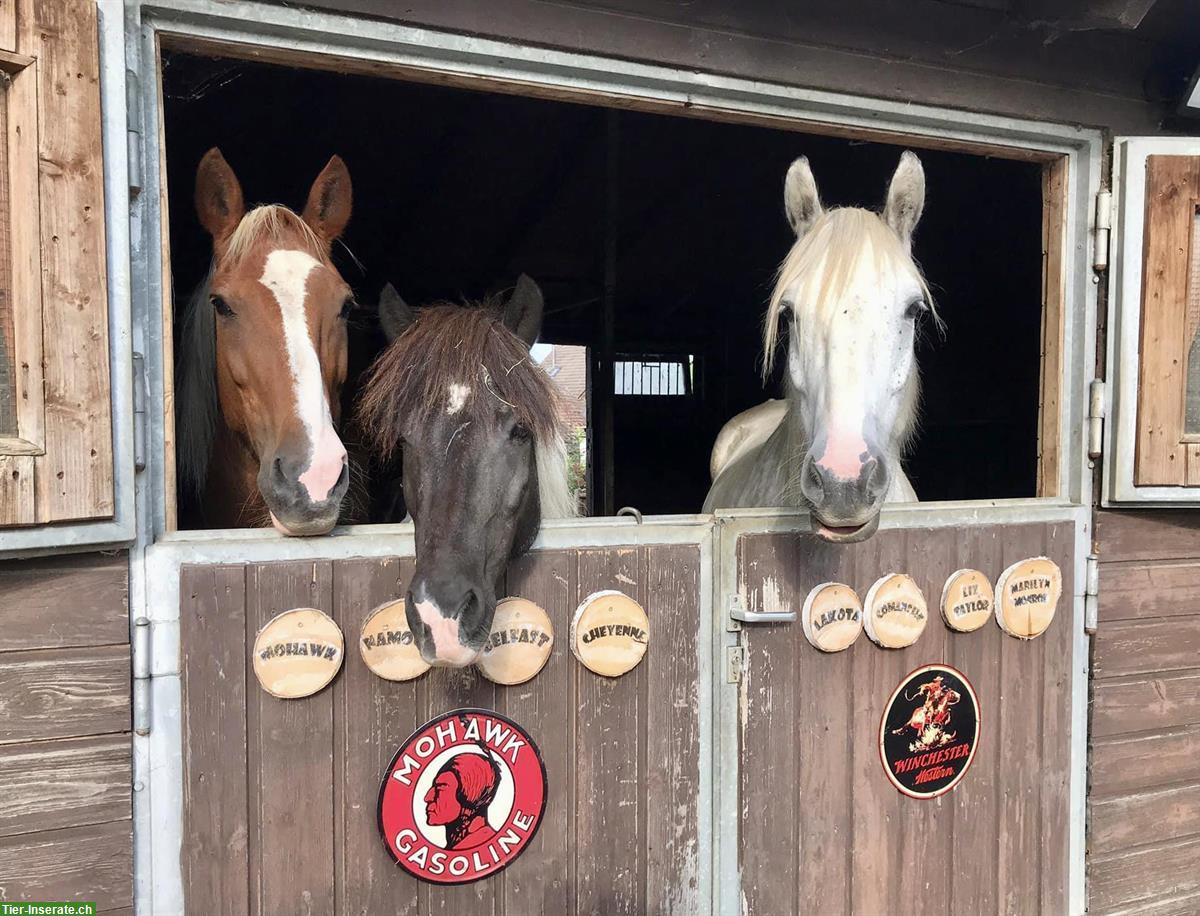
(929,720)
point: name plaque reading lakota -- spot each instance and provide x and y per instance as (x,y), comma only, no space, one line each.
(297,653)
(1027,596)
(832,617)
(610,633)
(895,612)
(967,600)
(387,644)
(929,731)
(519,644)
(463,797)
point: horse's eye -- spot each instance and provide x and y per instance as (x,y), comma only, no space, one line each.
(222,307)
(520,433)
(347,307)
(916,309)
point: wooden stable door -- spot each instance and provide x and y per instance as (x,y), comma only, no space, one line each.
(823,831)
(280,796)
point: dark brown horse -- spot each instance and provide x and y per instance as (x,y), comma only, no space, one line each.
(262,359)
(483,455)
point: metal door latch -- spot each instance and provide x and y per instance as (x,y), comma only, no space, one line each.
(739,612)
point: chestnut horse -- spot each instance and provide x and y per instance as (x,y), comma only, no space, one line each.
(262,359)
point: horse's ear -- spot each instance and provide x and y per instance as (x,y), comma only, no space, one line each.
(906,197)
(800,197)
(523,311)
(219,201)
(328,209)
(394,314)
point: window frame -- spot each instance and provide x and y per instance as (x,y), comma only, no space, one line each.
(343,43)
(1124,351)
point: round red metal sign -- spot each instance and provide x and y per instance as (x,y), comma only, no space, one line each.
(929,732)
(463,797)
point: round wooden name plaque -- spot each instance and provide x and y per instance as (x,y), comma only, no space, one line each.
(297,653)
(1027,596)
(610,633)
(967,600)
(833,617)
(388,646)
(894,612)
(520,642)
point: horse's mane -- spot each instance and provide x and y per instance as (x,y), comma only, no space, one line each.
(196,409)
(825,260)
(468,346)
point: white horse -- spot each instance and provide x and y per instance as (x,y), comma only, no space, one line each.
(852,296)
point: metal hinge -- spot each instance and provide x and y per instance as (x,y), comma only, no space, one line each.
(1096,412)
(139,412)
(1103,231)
(1091,594)
(735,664)
(738,612)
(133,131)
(142,667)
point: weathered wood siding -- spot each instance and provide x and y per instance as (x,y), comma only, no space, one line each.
(66,829)
(823,831)
(1144,800)
(280,796)
(978,56)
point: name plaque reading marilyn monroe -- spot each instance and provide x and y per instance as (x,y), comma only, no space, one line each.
(463,797)
(895,612)
(297,653)
(1027,596)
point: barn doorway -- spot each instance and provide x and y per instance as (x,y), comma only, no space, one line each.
(654,238)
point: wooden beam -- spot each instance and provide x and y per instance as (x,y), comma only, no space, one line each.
(92,863)
(64,693)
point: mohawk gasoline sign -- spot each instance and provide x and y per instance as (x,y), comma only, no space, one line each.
(929,732)
(463,797)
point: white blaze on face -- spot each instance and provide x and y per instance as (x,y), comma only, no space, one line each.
(285,274)
(447,647)
(456,397)
(852,359)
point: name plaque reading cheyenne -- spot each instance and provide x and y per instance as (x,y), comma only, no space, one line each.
(610,633)
(297,653)
(929,731)
(387,644)
(895,612)
(832,617)
(463,797)
(519,644)
(1027,596)
(967,600)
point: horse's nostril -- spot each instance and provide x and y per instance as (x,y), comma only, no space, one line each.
(812,484)
(878,479)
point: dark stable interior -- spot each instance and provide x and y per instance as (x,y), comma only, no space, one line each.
(678,221)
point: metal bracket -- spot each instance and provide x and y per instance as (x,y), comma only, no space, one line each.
(739,612)
(735,664)
(139,412)
(141,676)
(1103,231)
(133,131)
(1096,412)
(1091,595)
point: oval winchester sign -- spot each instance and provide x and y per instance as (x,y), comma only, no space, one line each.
(463,797)
(929,732)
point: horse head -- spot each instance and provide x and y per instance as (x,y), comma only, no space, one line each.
(482,451)
(276,311)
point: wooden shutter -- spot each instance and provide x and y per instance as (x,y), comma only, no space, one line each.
(56,450)
(1168,438)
